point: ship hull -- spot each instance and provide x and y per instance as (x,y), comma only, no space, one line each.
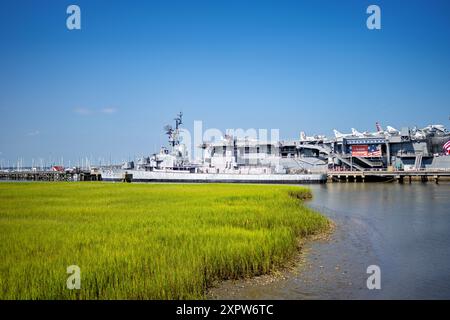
(151,176)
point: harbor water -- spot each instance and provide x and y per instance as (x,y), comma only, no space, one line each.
(402,228)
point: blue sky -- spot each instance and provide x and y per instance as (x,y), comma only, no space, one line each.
(109,88)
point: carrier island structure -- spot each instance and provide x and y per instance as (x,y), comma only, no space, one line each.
(309,159)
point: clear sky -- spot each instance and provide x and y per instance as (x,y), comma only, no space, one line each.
(109,88)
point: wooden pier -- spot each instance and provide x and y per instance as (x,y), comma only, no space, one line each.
(333,176)
(399,176)
(49,176)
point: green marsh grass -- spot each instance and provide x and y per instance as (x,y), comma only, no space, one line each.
(145,241)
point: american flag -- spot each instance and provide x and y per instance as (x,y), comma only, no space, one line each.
(447,147)
(374,150)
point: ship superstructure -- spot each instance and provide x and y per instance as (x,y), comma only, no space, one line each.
(173,158)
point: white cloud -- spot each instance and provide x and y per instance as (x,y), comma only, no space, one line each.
(109,110)
(33,133)
(87,111)
(83,111)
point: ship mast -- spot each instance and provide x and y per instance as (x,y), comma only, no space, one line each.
(174,133)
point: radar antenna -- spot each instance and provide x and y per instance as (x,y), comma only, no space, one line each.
(174,133)
(178,120)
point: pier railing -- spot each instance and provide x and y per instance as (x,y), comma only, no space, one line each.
(376,175)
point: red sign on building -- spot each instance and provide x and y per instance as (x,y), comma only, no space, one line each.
(360,150)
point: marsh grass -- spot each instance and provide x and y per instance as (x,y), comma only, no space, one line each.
(145,241)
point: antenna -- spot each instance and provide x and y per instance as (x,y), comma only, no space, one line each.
(178,120)
(378,126)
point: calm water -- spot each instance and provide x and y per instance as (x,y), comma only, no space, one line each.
(404,229)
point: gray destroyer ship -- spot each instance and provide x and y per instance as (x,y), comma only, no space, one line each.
(228,160)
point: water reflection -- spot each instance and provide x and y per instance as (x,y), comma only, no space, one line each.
(404,229)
